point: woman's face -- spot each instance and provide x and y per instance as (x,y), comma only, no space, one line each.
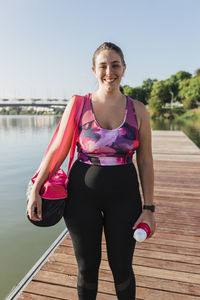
(109,70)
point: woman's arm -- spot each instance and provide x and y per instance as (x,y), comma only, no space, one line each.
(144,160)
(35,199)
(144,156)
(48,162)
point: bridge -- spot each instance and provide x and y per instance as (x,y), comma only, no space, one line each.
(33,102)
(55,104)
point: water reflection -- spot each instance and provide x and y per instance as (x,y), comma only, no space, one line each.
(27,123)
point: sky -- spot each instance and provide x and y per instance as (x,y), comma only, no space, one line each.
(46,46)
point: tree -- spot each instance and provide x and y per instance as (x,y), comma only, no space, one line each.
(181,75)
(173,83)
(189,103)
(128,91)
(137,92)
(155,104)
(190,89)
(147,86)
(160,91)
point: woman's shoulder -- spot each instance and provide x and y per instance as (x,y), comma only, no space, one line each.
(140,110)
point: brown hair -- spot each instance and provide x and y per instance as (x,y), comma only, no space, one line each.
(108,46)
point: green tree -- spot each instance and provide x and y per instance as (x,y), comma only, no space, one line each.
(128,91)
(147,86)
(135,93)
(181,75)
(189,103)
(173,84)
(190,89)
(156,107)
(160,91)
(139,94)
(183,84)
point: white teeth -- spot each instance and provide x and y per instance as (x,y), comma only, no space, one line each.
(109,80)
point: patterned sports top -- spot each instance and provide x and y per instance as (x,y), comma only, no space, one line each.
(105,147)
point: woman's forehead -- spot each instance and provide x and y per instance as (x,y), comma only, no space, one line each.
(108,56)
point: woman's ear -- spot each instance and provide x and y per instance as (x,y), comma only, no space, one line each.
(94,71)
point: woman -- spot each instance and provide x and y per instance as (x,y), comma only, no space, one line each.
(103,187)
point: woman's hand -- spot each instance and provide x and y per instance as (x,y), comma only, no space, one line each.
(34,207)
(147,216)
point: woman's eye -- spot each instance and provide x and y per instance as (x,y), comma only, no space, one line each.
(115,66)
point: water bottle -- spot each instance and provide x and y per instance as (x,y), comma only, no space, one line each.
(142,232)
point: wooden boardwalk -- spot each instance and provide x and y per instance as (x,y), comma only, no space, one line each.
(166,266)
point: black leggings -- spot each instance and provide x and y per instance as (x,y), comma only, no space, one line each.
(103,196)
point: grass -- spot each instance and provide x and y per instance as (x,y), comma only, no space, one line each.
(178,113)
(192,114)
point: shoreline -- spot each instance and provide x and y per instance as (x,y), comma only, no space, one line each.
(174,114)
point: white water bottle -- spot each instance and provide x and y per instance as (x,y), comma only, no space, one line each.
(142,232)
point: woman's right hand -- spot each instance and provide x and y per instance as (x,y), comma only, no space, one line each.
(34,207)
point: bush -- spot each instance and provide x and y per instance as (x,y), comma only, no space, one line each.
(189,103)
(179,110)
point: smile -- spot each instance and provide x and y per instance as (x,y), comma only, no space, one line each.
(110,80)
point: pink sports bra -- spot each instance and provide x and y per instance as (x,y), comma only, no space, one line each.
(105,147)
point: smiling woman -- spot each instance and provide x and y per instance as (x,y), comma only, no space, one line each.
(103,188)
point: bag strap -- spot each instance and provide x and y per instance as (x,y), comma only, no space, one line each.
(79,105)
(73,121)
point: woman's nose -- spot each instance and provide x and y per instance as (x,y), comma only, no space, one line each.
(108,70)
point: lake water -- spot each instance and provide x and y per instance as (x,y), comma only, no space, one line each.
(23,141)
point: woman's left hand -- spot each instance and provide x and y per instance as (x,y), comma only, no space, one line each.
(147,216)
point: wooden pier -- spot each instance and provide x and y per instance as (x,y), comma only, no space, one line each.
(166,266)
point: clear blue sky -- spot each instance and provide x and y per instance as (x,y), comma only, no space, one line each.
(46,46)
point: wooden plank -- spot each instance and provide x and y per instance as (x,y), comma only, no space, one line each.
(71,280)
(141,270)
(169,236)
(167,274)
(176,133)
(28,296)
(142,281)
(155,240)
(59,291)
(153,294)
(158,247)
(171,249)
(164,284)
(107,287)
(163,262)
(145,254)
(154,262)
(177,158)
